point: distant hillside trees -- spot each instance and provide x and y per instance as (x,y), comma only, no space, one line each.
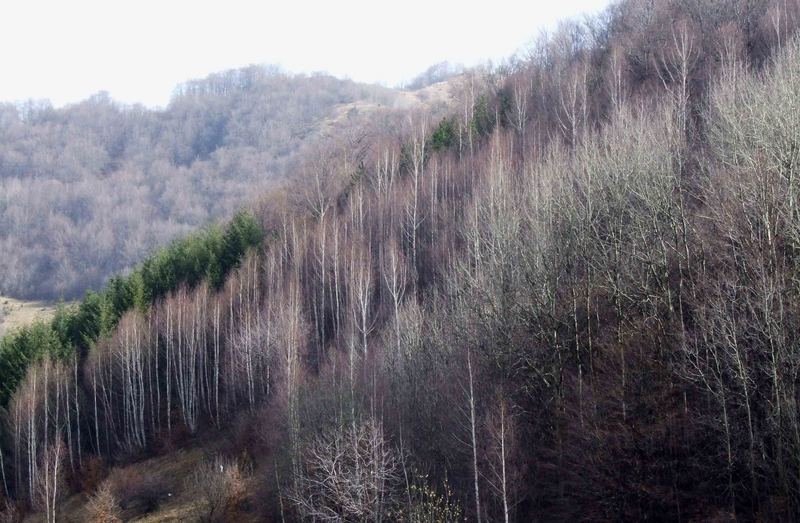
(87,190)
(436,73)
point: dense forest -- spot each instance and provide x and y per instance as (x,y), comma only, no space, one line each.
(573,298)
(86,191)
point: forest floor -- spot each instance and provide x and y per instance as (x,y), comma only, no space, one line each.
(172,475)
(17,313)
(177,502)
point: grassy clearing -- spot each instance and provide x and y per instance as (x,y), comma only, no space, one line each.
(432,95)
(18,313)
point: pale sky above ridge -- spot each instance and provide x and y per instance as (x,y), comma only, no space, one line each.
(138,51)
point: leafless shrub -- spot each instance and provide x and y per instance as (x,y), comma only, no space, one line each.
(92,473)
(135,489)
(349,474)
(103,506)
(9,513)
(221,485)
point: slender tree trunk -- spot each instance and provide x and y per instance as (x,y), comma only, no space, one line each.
(3,473)
(503,460)
(472,422)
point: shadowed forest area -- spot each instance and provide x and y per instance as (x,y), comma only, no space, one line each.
(573,297)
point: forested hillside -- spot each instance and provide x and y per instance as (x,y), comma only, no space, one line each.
(86,191)
(573,298)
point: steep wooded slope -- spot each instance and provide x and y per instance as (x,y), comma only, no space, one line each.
(571,300)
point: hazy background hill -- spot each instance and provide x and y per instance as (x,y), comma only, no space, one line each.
(88,189)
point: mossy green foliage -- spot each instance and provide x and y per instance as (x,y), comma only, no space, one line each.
(208,255)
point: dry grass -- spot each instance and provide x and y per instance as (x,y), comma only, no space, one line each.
(176,505)
(433,95)
(179,503)
(440,92)
(174,468)
(18,313)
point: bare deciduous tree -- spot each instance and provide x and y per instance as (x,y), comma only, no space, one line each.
(349,474)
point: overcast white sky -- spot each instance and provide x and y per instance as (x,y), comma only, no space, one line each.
(66,50)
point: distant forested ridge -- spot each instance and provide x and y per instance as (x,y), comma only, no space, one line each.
(87,190)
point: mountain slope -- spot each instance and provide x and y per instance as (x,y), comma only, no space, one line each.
(87,190)
(571,299)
